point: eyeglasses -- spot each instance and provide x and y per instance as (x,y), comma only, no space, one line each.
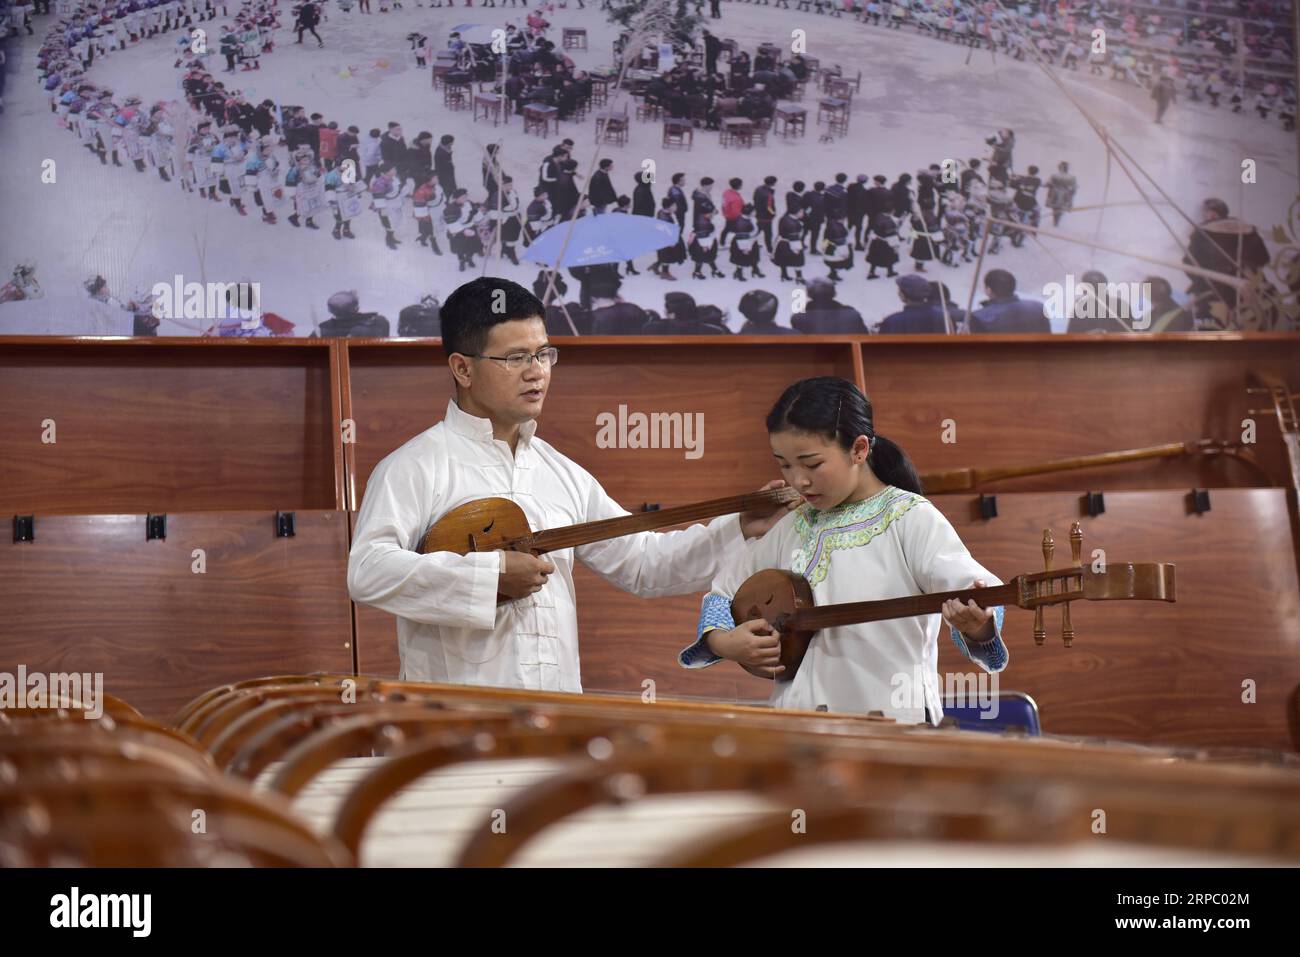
(516,361)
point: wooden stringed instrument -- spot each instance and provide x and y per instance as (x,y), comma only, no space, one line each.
(489,524)
(1288,423)
(967,479)
(785,601)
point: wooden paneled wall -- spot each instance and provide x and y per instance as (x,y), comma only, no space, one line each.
(1015,399)
(222,598)
(397,393)
(165,425)
(1153,671)
(221,434)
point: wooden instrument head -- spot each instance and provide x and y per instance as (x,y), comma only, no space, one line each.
(483,525)
(1116,581)
(775,594)
(1119,581)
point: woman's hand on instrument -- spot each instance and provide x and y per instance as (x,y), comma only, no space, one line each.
(755,645)
(969,618)
(522,574)
(756,522)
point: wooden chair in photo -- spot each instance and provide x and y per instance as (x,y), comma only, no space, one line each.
(678,134)
(612,126)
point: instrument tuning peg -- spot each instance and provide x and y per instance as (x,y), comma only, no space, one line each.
(1076,543)
(1067,629)
(1049,547)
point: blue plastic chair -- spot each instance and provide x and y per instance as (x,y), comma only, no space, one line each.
(1016,712)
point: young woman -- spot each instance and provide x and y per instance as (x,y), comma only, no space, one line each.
(864,532)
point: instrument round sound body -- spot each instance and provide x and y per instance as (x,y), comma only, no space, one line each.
(775,595)
(483,525)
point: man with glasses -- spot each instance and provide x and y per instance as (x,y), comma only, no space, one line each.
(450,627)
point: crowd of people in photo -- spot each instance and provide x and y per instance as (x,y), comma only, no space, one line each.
(1194,47)
(279,162)
(925,305)
(1220,243)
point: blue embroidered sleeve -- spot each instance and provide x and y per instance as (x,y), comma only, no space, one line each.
(991,655)
(715,613)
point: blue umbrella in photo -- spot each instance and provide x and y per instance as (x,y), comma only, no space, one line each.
(474,32)
(607,238)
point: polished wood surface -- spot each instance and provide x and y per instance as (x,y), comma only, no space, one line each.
(1022,400)
(590,773)
(93,596)
(976,478)
(165,428)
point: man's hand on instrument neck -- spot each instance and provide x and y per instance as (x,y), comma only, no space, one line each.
(756,522)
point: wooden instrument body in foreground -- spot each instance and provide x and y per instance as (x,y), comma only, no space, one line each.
(484,525)
(775,595)
(785,601)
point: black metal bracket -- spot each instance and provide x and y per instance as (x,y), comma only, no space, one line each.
(1094,503)
(1200,500)
(650,507)
(155,527)
(24,528)
(988,506)
(284,525)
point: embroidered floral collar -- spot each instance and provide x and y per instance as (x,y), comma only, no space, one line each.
(850,525)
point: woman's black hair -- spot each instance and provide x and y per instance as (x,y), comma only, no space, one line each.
(835,409)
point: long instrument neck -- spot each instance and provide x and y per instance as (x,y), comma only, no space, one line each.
(857,612)
(572,536)
(956,480)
